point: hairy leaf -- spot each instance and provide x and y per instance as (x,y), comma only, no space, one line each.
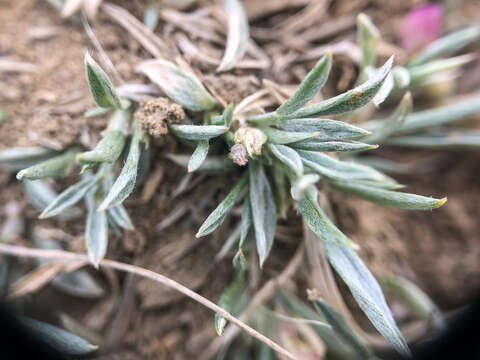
(327,129)
(211,165)
(368,37)
(197,132)
(57,166)
(281,137)
(101,88)
(456,139)
(302,184)
(336,146)
(288,157)
(107,150)
(198,156)
(22,157)
(311,85)
(96,230)
(120,217)
(216,218)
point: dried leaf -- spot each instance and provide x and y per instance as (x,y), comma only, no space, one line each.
(237,39)
(216,218)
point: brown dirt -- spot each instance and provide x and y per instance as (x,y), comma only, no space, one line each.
(439,250)
(156,114)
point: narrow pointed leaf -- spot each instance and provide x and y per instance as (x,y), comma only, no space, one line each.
(101,88)
(96,230)
(392,124)
(390,198)
(69,197)
(198,156)
(368,37)
(197,132)
(57,166)
(120,216)
(216,218)
(447,45)
(319,222)
(288,157)
(350,100)
(179,85)
(42,195)
(237,39)
(211,165)
(335,146)
(281,137)
(366,292)
(264,213)
(328,166)
(246,222)
(327,129)
(228,299)
(455,139)
(310,86)
(22,157)
(341,327)
(125,182)
(107,150)
(59,339)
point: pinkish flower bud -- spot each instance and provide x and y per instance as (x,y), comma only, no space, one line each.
(421,26)
(238,154)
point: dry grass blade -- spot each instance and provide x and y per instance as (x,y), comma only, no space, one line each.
(70,7)
(140,32)
(40,277)
(7,65)
(80,258)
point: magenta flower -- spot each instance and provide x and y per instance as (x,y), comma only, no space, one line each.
(421,26)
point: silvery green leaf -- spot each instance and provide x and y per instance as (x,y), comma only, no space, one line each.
(211,165)
(327,129)
(179,85)
(59,339)
(387,185)
(198,156)
(216,218)
(120,217)
(368,37)
(96,111)
(281,137)
(288,157)
(350,100)
(447,45)
(69,197)
(338,348)
(419,302)
(233,292)
(125,183)
(456,139)
(197,132)
(388,197)
(227,115)
(107,150)
(336,146)
(337,169)
(229,243)
(392,124)
(366,292)
(343,330)
(96,230)
(264,213)
(101,88)
(42,195)
(280,184)
(313,82)
(302,184)
(237,39)
(401,77)
(319,222)
(419,73)
(385,90)
(441,115)
(57,166)
(22,157)
(246,222)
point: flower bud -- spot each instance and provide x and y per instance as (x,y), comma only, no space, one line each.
(238,154)
(252,139)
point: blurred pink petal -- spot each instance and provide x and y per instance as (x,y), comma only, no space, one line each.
(421,26)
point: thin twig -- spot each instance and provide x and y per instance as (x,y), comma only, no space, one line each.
(65,255)
(263,295)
